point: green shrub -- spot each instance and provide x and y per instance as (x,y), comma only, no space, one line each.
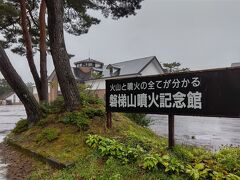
(174,166)
(229,159)
(198,171)
(45,107)
(134,142)
(70,117)
(54,107)
(139,118)
(78,119)
(183,153)
(87,96)
(42,122)
(58,105)
(170,164)
(21,126)
(91,112)
(151,161)
(48,135)
(112,148)
(83,124)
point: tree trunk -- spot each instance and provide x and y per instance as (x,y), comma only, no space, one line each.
(43,54)
(60,56)
(14,80)
(28,45)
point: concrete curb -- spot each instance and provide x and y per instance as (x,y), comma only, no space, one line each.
(52,162)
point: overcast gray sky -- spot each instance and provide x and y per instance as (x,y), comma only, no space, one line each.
(199,34)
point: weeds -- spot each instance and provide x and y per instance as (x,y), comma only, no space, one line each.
(78,119)
(48,135)
(112,148)
(21,126)
(91,112)
(87,96)
(229,159)
(140,119)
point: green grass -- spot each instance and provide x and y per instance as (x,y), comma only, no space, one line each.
(58,136)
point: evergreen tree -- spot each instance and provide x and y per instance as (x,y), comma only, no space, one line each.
(72,16)
(174,67)
(24,31)
(32,108)
(69,15)
(4,87)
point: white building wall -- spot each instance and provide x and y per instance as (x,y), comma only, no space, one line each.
(13,98)
(96,84)
(152,69)
(34,90)
(99,84)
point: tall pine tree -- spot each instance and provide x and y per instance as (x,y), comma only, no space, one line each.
(69,15)
(72,16)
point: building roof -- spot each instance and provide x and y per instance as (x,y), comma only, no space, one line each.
(235,64)
(77,73)
(125,68)
(89,60)
(6,95)
(130,67)
(51,76)
(80,75)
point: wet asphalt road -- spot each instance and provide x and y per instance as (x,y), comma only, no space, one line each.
(208,132)
(9,115)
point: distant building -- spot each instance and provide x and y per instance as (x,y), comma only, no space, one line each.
(93,73)
(235,64)
(10,98)
(133,68)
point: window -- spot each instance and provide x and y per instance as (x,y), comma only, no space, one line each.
(90,64)
(114,71)
(98,65)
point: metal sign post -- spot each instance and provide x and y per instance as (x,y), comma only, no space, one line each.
(109,120)
(171,140)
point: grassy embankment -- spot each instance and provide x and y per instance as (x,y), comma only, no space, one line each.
(127,151)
